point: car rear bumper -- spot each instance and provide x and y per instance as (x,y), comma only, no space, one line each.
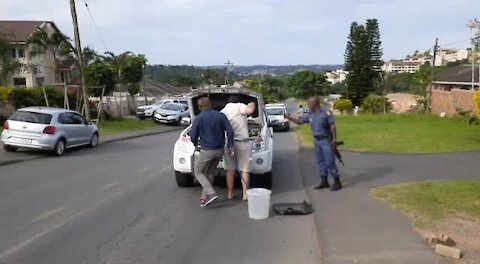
(45,142)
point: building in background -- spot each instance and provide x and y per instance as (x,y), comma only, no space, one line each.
(45,69)
(445,56)
(401,66)
(337,76)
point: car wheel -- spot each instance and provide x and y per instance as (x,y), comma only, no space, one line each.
(9,148)
(94,140)
(183,179)
(141,117)
(59,147)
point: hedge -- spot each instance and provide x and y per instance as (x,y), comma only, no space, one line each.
(21,97)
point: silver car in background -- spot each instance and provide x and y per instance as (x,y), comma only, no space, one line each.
(50,129)
(171,113)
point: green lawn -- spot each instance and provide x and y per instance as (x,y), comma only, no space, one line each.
(126,125)
(430,202)
(407,133)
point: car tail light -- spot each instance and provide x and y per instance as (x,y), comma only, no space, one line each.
(50,130)
(5,125)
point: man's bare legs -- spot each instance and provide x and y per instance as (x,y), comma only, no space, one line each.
(245,184)
(230,183)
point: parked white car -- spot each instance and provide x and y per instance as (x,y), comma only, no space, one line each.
(145,111)
(276,116)
(262,153)
(171,113)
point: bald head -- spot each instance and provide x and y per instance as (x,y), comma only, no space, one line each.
(204,103)
(314,102)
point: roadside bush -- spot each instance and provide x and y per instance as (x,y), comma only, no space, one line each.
(477,100)
(5,93)
(3,119)
(374,104)
(22,97)
(466,117)
(343,105)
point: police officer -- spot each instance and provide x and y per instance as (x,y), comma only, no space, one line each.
(324,133)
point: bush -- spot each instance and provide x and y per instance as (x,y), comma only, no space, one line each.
(466,117)
(477,100)
(22,97)
(343,105)
(374,104)
(5,93)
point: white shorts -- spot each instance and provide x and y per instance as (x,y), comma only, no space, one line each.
(241,157)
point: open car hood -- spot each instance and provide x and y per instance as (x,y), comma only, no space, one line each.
(219,97)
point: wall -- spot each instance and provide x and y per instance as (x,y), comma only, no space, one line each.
(450,101)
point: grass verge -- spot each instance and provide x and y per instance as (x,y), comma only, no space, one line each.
(406,133)
(126,125)
(428,203)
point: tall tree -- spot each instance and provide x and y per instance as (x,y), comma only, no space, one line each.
(363,60)
(307,83)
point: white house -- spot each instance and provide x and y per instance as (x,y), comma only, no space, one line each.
(337,76)
(45,68)
(401,66)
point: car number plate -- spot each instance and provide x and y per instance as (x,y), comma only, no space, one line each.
(22,140)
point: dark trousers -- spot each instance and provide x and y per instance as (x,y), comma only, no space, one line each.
(325,158)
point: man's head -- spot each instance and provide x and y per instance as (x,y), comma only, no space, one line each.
(314,103)
(300,106)
(204,103)
(234,99)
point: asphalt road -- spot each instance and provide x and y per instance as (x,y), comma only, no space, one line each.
(119,204)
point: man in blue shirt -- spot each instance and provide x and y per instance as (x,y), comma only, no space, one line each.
(210,126)
(324,134)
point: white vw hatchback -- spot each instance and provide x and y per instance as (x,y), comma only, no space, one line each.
(261,163)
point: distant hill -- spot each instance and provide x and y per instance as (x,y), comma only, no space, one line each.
(277,70)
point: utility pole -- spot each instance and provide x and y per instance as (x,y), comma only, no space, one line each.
(78,48)
(432,76)
(472,24)
(229,67)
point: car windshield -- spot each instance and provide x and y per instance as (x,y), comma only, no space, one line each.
(31,117)
(275,111)
(172,107)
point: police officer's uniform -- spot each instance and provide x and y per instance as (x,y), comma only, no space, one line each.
(320,122)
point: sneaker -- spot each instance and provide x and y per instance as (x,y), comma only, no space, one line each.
(210,198)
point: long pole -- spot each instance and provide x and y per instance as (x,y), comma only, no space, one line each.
(432,76)
(78,48)
(473,58)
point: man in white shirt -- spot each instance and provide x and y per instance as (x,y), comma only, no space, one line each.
(237,112)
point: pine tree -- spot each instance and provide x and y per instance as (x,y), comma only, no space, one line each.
(363,60)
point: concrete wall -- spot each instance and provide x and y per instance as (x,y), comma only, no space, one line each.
(450,101)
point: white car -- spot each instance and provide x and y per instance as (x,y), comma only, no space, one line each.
(262,153)
(145,111)
(276,116)
(171,113)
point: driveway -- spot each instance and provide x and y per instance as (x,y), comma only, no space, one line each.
(354,228)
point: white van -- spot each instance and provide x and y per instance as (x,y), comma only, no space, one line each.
(262,153)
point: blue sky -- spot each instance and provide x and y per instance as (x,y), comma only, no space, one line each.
(276,32)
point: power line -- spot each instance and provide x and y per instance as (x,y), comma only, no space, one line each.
(96,27)
(456,42)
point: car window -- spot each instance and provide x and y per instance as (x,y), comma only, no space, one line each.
(31,117)
(78,119)
(172,107)
(275,111)
(65,118)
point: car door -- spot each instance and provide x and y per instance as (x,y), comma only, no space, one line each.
(83,130)
(185,112)
(68,125)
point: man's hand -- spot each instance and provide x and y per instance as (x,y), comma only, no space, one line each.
(231,151)
(334,144)
(287,116)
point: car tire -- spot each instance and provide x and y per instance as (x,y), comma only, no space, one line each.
(60,147)
(183,179)
(179,121)
(93,140)
(9,148)
(141,117)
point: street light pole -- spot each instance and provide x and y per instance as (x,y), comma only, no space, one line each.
(78,48)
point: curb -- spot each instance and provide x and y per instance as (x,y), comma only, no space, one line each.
(107,141)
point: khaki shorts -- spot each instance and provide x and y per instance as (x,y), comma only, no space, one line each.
(243,154)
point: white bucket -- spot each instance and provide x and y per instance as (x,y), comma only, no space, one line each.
(258,203)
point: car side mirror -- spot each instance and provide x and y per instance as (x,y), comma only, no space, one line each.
(186,121)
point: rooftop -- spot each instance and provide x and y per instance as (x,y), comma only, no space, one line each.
(18,31)
(458,74)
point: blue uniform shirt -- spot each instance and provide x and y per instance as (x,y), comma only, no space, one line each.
(319,121)
(210,126)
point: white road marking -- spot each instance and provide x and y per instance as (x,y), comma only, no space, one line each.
(108,186)
(45,232)
(49,213)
